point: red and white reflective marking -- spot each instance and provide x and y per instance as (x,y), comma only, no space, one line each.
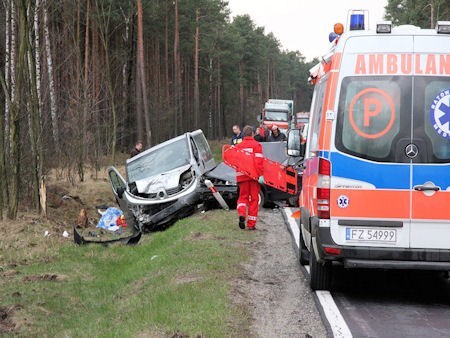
(217,195)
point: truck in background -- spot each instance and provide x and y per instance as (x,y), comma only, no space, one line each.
(278,112)
(302,119)
(302,123)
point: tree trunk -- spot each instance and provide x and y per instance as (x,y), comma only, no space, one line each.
(12,77)
(32,112)
(241,93)
(4,118)
(37,55)
(210,94)
(8,55)
(148,133)
(14,160)
(268,81)
(126,38)
(432,15)
(196,56)
(166,52)
(86,104)
(219,103)
(104,35)
(53,107)
(177,68)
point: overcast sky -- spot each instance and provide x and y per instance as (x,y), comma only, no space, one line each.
(304,25)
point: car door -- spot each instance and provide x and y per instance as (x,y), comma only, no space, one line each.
(430,148)
(119,187)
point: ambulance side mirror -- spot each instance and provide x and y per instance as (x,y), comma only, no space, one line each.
(294,147)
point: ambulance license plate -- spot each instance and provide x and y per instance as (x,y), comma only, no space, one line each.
(371,235)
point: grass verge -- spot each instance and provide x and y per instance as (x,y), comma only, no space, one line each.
(179,280)
(216,148)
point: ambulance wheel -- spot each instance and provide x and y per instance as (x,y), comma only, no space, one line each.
(320,273)
(303,253)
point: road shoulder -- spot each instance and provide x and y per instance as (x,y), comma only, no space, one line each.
(273,287)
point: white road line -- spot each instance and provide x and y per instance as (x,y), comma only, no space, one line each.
(337,322)
(293,225)
(330,309)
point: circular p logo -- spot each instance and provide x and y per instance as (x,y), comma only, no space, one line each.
(372,113)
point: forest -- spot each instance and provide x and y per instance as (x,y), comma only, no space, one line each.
(82,80)
(85,79)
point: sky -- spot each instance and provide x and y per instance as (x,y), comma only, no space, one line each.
(304,25)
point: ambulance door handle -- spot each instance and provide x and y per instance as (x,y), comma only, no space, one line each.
(426,188)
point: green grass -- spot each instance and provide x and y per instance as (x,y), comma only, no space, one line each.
(216,148)
(178,280)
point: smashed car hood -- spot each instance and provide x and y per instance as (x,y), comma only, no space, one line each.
(162,182)
(223,172)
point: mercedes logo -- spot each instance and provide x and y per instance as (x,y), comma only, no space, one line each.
(411,150)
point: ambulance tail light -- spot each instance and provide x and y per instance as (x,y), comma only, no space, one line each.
(333,251)
(384,27)
(323,189)
(443,27)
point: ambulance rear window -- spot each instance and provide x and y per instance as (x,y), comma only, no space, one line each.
(378,117)
(432,116)
(371,116)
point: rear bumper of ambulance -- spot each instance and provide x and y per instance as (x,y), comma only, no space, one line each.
(382,257)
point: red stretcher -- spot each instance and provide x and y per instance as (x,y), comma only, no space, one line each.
(276,175)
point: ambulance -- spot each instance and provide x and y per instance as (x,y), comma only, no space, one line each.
(376,170)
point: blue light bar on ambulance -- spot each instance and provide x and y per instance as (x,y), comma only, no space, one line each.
(384,27)
(357,21)
(443,27)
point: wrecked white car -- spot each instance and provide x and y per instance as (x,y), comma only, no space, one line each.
(167,182)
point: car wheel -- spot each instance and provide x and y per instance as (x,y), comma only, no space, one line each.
(320,273)
(293,201)
(261,199)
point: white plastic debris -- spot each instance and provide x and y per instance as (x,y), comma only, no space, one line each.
(65,234)
(153,257)
(46,233)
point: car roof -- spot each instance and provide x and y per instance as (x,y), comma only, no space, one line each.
(163,144)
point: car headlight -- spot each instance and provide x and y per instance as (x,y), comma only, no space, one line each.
(186,179)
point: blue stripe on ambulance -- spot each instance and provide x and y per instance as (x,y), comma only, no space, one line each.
(438,174)
(381,175)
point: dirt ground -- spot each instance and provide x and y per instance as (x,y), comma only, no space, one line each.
(274,288)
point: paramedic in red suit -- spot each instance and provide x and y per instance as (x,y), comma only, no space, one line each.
(247,204)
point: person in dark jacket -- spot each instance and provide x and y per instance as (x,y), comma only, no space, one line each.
(137,149)
(238,136)
(258,136)
(247,204)
(276,135)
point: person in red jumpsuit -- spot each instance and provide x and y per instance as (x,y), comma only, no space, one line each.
(247,204)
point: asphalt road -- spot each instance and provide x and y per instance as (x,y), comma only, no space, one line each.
(378,303)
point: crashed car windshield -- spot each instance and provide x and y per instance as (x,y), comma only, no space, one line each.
(167,158)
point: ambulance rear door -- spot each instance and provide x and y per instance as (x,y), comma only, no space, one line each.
(429,149)
(370,198)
